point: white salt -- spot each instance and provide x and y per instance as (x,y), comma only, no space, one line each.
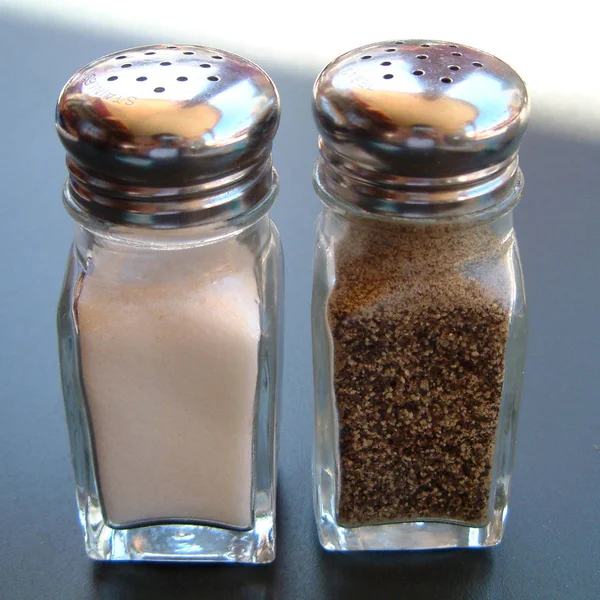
(169,345)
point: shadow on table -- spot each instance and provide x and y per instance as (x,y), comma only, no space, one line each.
(140,582)
(446,575)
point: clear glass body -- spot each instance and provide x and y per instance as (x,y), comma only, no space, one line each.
(170,361)
(419,333)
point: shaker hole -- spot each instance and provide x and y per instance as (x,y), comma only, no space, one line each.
(120,57)
(388,76)
(159,90)
(398,42)
(418,72)
(188,53)
(454,68)
(425,45)
(446,80)
(390,49)
(205,65)
(171,47)
(422,56)
(456,54)
(182,78)
(149,53)
(366,57)
(166,63)
(213,78)
(386,63)
(113,78)
(477,64)
(217,57)
(452,45)
(141,78)
(125,66)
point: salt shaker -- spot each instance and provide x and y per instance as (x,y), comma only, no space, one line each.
(169,320)
(419,319)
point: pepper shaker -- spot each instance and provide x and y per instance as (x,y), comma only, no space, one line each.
(419,318)
(170,315)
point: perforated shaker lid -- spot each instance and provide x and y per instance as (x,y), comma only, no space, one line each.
(419,127)
(169,136)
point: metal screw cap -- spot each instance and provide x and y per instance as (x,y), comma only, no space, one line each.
(400,119)
(169,135)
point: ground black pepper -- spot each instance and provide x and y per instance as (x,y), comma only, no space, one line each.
(419,343)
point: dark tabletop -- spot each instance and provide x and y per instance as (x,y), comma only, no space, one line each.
(551,547)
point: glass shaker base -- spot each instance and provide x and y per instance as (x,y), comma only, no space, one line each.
(178,542)
(422,535)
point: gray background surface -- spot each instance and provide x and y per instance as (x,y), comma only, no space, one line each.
(552,543)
